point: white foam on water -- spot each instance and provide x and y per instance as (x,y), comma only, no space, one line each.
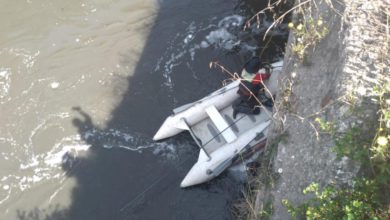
(131,148)
(133,143)
(34,167)
(7,195)
(37,168)
(165,150)
(231,21)
(240,170)
(223,37)
(54,85)
(29,164)
(189,38)
(204,44)
(56,157)
(127,141)
(219,35)
(25,60)
(46,166)
(28,58)
(5,82)
(168,67)
(43,124)
(107,146)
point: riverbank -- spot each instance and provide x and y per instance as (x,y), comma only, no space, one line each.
(337,57)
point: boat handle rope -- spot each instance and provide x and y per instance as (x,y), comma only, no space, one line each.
(196,139)
(218,134)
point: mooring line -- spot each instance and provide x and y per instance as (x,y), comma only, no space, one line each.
(131,202)
(142,193)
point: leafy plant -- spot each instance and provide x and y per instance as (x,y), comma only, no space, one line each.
(267,211)
(380,148)
(308,32)
(326,126)
(359,202)
(353,144)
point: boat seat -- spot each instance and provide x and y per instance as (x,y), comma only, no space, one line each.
(221,124)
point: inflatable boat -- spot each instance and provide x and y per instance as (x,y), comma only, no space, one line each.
(221,138)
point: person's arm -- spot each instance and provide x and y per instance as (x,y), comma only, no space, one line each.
(261,77)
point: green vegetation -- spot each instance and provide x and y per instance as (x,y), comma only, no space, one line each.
(380,148)
(267,211)
(287,97)
(359,202)
(353,144)
(326,126)
(307,33)
(368,197)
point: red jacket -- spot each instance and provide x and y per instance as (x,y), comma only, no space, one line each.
(260,77)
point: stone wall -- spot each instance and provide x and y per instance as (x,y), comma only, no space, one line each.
(334,80)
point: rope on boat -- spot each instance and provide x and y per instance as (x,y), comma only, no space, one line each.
(218,134)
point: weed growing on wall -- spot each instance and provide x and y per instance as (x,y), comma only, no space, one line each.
(326,126)
(380,147)
(307,33)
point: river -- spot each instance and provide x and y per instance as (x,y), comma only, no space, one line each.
(83,87)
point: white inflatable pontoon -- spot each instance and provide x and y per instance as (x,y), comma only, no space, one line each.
(220,137)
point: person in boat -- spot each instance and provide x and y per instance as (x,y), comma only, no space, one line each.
(250,88)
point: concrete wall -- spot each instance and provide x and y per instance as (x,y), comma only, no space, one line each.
(335,79)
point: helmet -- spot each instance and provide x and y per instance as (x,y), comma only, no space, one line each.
(253,65)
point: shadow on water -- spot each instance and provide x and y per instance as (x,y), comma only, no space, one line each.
(121,184)
(116,183)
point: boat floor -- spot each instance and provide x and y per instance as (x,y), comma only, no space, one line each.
(211,139)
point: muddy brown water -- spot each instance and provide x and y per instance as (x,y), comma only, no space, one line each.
(83,87)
